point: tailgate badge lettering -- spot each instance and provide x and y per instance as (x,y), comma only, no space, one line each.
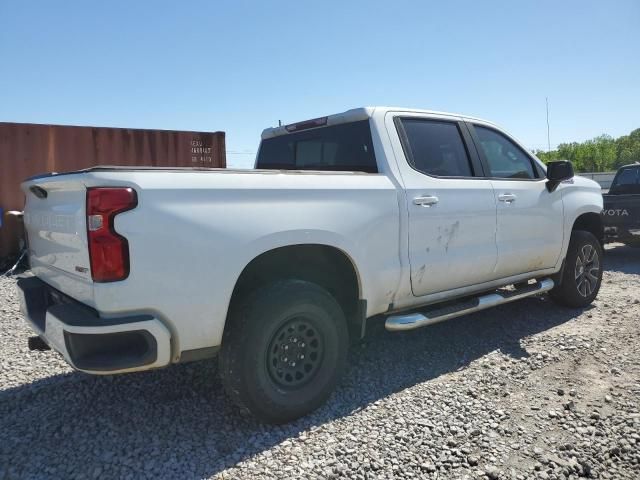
(617,212)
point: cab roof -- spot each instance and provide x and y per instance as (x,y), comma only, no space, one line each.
(631,165)
(354,115)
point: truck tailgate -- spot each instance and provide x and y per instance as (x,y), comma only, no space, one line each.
(55,224)
(621,209)
(622,216)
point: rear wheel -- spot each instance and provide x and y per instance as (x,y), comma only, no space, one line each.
(582,273)
(284,350)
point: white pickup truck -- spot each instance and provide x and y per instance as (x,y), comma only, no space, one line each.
(413,215)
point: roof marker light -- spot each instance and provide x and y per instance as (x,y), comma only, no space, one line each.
(307,124)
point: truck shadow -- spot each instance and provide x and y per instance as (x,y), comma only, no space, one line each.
(179,418)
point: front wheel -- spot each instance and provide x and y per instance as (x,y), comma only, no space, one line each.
(284,350)
(582,273)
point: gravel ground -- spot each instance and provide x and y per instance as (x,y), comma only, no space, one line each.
(527,390)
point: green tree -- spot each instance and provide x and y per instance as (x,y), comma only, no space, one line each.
(600,154)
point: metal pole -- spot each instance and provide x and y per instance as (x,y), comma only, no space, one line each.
(548,137)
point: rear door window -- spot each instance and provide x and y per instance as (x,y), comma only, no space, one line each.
(436,148)
(344,147)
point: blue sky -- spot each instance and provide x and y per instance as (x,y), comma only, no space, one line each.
(241,66)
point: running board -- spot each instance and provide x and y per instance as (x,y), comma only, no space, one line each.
(439,312)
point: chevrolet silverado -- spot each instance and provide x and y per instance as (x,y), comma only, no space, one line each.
(411,215)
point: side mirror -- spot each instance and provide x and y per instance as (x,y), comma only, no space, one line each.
(558,172)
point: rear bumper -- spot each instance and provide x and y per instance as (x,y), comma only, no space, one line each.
(87,341)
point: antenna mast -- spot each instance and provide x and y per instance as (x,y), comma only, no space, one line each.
(548,137)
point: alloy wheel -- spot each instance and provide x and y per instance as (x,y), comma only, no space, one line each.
(587,271)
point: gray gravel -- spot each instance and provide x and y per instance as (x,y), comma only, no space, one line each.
(527,390)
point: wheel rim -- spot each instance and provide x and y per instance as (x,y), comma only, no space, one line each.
(587,270)
(295,353)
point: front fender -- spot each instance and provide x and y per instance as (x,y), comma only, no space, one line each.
(582,197)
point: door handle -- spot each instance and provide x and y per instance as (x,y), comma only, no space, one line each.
(425,201)
(507,197)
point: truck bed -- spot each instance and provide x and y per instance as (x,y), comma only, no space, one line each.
(194,230)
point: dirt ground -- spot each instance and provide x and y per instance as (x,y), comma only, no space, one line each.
(525,390)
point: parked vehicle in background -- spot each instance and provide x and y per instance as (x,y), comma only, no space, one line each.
(416,215)
(621,211)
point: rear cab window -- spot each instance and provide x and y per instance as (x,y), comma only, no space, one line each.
(343,147)
(627,181)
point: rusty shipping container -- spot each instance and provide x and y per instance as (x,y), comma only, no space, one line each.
(30,149)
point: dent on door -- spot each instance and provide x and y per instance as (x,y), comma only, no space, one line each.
(452,242)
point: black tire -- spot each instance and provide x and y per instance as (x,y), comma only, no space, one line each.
(582,273)
(283,350)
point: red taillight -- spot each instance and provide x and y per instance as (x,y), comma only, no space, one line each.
(108,251)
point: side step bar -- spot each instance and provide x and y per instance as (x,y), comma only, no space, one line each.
(441,312)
